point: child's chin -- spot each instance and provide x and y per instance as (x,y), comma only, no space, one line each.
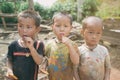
(23,38)
(60,39)
(94,44)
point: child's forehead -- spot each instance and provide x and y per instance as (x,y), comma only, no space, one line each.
(26,20)
(62,21)
(97,23)
(94,24)
(61,17)
(94,27)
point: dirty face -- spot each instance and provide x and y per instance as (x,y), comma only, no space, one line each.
(27,28)
(61,26)
(92,34)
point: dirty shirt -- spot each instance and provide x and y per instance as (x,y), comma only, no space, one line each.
(93,62)
(60,66)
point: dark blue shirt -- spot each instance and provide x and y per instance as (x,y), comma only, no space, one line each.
(24,66)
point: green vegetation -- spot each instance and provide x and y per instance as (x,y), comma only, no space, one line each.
(8,7)
(109,8)
(89,8)
(101,8)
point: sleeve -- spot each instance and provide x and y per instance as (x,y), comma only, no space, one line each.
(107,59)
(48,47)
(10,52)
(82,49)
(40,49)
(107,62)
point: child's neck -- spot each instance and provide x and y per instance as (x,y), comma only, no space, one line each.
(91,48)
(58,40)
(22,43)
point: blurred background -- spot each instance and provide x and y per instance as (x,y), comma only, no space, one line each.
(108,10)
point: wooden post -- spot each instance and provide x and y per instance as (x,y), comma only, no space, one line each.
(31,4)
(79,15)
(4,23)
(15,6)
(3,20)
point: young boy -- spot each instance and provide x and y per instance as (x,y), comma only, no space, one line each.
(25,54)
(94,58)
(62,53)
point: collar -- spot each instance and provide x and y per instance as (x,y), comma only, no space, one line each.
(90,48)
(57,41)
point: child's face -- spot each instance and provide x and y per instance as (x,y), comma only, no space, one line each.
(92,34)
(61,26)
(27,28)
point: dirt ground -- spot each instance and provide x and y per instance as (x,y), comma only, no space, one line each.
(112,42)
(110,39)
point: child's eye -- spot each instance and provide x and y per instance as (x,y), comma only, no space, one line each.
(21,26)
(57,25)
(98,33)
(29,27)
(66,26)
(91,32)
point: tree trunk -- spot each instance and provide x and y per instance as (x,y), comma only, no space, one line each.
(79,14)
(31,4)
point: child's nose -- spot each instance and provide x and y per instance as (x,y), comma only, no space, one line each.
(62,29)
(94,36)
(24,30)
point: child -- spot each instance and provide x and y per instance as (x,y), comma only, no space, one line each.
(62,53)
(25,54)
(94,58)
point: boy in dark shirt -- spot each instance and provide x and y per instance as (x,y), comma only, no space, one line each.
(25,54)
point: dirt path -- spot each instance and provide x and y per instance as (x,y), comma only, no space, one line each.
(115,74)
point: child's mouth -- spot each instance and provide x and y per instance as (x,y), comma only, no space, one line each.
(24,36)
(61,34)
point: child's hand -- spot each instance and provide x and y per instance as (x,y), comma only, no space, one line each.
(9,71)
(10,75)
(65,40)
(44,71)
(28,41)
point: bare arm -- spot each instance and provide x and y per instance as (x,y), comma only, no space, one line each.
(107,68)
(75,71)
(9,67)
(29,43)
(9,74)
(37,58)
(74,53)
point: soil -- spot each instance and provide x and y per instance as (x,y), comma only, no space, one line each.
(110,39)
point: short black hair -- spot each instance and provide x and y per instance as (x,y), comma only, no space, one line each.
(31,14)
(62,13)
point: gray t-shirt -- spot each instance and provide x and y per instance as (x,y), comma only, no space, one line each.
(93,62)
